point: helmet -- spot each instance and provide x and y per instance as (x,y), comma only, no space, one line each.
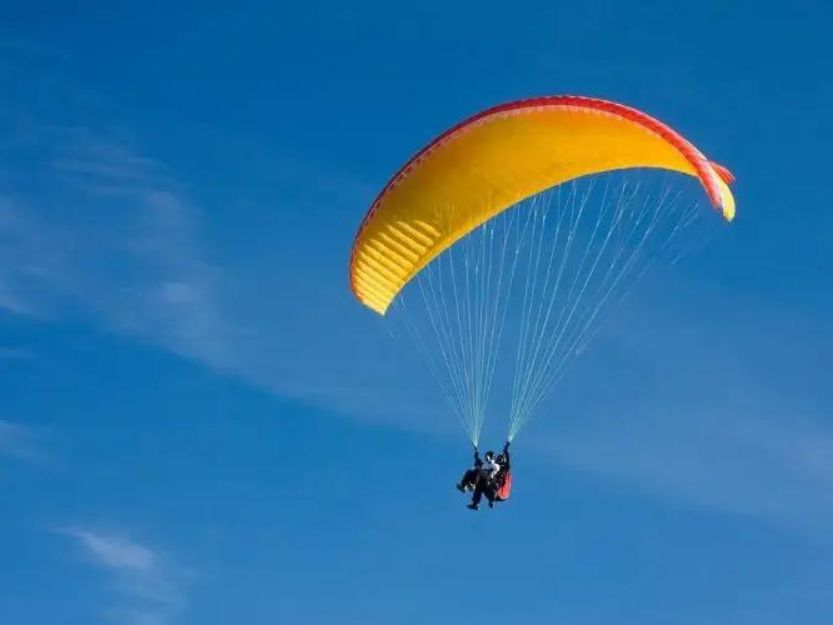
(500,459)
(490,455)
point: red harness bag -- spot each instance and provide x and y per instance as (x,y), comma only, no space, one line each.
(506,488)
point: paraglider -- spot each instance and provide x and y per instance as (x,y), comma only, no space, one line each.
(514,233)
(490,476)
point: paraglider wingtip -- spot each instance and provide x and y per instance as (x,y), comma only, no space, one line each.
(725,175)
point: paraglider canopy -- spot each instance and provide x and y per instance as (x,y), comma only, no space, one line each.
(491,161)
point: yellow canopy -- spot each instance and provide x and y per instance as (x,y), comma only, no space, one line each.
(497,158)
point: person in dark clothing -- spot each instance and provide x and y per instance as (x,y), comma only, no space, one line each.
(483,487)
(471,477)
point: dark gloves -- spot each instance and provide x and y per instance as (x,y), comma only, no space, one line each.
(506,448)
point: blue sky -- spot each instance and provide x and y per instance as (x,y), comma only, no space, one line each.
(198,424)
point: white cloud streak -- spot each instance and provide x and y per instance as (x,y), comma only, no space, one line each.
(127,257)
(710,427)
(739,463)
(114,552)
(147,588)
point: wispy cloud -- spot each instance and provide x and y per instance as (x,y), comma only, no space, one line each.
(709,428)
(104,164)
(109,235)
(741,463)
(114,552)
(147,587)
(90,226)
(127,256)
